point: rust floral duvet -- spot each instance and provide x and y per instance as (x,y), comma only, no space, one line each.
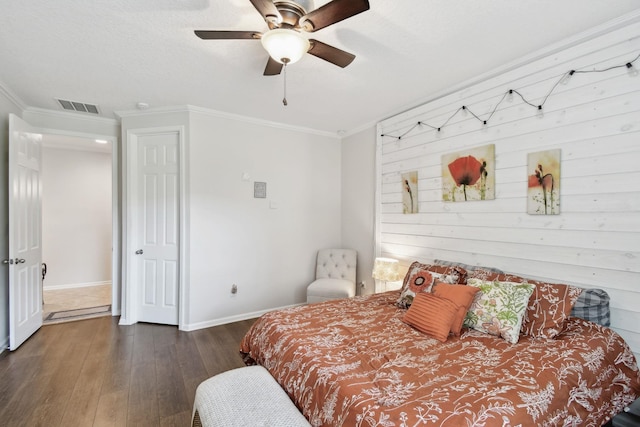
(353,362)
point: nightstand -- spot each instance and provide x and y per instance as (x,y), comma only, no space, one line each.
(630,417)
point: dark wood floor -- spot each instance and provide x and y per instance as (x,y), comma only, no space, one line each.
(97,373)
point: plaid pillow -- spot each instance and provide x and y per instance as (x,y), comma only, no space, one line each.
(593,305)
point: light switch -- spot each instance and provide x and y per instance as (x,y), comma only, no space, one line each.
(260,190)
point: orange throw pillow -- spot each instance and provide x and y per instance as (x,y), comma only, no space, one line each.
(431,315)
(460,295)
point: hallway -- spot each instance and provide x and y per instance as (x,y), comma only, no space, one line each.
(57,300)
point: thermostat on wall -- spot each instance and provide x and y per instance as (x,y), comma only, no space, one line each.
(260,190)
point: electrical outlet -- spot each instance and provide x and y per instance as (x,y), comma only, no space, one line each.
(234,289)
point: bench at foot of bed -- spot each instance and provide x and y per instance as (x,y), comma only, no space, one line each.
(247,396)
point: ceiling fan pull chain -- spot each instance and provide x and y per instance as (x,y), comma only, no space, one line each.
(284,100)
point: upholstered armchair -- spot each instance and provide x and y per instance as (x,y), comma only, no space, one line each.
(335,275)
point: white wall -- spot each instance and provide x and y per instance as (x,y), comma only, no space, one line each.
(594,119)
(267,247)
(76,217)
(358,192)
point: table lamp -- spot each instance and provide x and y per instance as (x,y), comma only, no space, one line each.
(385,270)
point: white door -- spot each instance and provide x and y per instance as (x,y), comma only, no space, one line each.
(154,202)
(25,231)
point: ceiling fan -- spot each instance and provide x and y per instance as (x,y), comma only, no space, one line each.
(287,19)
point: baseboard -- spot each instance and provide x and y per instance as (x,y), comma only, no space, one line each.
(76,285)
(5,345)
(231,319)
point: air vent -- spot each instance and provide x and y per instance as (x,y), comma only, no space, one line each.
(78,106)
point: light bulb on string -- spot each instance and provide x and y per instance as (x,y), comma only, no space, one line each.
(567,77)
(564,79)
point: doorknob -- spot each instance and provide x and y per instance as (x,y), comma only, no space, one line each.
(139,252)
(20,261)
(7,261)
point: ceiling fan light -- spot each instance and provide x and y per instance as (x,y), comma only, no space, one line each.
(284,45)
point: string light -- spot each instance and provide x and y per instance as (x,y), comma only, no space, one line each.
(508,95)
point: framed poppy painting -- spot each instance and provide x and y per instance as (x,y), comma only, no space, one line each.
(410,192)
(543,188)
(469,175)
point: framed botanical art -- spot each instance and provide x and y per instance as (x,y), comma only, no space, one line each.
(469,174)
(410,192)
(543,189)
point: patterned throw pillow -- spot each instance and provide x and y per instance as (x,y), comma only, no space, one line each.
(499,307)
(593,305)
(431,315)
(468,267)
(420,277)
(460,295)
(549,306)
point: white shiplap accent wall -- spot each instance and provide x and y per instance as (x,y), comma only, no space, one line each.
(593,118)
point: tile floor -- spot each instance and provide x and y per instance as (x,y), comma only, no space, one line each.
(69,299)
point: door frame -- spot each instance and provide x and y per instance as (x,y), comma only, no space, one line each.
(115,210)
(129,312)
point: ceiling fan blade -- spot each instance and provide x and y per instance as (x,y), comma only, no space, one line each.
(273,67)
(332,12)
(330,53)
(268,10)
(228,35)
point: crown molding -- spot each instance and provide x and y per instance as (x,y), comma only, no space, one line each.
(223,115)
(12,97)
(262,122)
(75,116)
(361,128)
(152,111)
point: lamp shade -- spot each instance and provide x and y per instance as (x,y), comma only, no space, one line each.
(386,269)
(284,45)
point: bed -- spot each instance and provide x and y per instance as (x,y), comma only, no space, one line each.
(357,362)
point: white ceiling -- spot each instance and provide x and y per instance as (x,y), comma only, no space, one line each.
(120,52)
(76,143)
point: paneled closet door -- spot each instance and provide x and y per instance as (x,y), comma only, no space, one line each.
(154,202)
